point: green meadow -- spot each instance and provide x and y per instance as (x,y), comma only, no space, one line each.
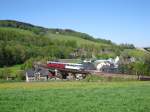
(130,96)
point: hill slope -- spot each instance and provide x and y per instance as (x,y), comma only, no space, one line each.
(42,30)
(21,41)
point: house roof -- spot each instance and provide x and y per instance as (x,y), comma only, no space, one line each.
(32,73)
(89,66)
(44,72)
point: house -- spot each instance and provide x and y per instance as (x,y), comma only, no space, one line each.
(107,65)
(37,74)
(29,74)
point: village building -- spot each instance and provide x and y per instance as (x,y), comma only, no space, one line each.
(107,65)
(35,75)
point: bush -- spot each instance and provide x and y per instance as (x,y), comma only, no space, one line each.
(20,75)
(4,73)
(94,78)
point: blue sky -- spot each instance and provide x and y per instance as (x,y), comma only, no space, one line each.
(122,21)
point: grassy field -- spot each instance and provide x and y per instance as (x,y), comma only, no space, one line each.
(75,97)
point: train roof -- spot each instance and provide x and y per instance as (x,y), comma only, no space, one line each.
(64,63)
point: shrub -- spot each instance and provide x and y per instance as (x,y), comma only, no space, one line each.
(94,78)
(20,75)
(101,78)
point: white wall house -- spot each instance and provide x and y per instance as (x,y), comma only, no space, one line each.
(107,65)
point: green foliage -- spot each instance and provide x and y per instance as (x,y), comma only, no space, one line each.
(28,64)
(20,75)
(17,46)
(106,56)
(127,46)
(135,62)
(4,73)
(138,54)
(140,68)
(15,71)
(94,78)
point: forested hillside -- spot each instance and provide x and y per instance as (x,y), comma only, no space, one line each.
(21,41)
